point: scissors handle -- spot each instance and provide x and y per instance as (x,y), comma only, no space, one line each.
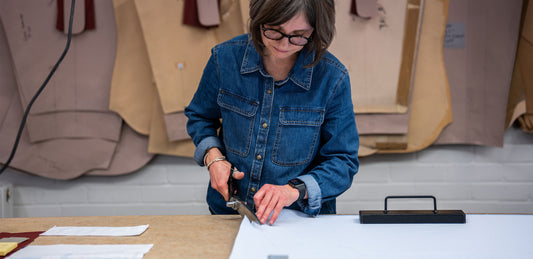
(232,183)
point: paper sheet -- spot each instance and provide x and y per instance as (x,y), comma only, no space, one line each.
(95,231)
(83,251)
(342,236)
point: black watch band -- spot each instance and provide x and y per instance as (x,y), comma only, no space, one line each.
(300,186)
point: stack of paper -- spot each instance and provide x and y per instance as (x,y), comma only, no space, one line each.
(123,251)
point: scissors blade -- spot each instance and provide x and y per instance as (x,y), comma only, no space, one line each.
(238,205)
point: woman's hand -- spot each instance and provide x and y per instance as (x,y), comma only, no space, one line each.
(219,172)
(273,198)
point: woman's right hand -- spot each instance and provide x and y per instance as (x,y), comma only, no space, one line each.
(219,172)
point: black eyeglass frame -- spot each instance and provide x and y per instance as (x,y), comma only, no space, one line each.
(283,35)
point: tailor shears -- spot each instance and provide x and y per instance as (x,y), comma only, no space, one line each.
(235,202)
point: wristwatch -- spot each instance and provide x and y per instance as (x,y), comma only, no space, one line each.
(300,186)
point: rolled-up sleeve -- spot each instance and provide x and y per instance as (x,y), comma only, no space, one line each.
(313,203)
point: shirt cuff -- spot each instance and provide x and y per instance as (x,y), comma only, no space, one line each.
(205,145)
(313,204)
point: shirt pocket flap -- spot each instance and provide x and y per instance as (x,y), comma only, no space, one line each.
(302,116)
(242,105)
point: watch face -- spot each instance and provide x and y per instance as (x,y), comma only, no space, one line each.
(296,181)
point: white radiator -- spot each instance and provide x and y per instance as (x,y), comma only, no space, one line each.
(6,201)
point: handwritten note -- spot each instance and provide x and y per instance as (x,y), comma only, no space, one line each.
(455,35)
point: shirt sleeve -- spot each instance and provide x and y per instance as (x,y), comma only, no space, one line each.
(313,203)
(203,113)
(336,160)
(205,145)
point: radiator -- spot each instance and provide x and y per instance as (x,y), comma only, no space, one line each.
(6,201)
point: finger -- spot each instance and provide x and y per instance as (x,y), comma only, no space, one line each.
(259,195)
(276,213)
(238,175)
(225,193)
(222,189)
(274,202)
(219,181)
(262,203)
(262,207)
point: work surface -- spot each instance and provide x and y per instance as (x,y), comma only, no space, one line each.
(299,236)
(181,236)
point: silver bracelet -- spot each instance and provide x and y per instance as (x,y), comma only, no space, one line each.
(220,158)
(205,156)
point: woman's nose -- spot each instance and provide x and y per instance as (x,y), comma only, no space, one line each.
(285,42)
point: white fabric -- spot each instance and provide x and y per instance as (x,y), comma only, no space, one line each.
(342,236)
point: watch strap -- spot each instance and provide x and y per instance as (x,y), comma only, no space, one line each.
(300,186)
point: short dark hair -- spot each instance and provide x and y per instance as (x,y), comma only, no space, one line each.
(320,14)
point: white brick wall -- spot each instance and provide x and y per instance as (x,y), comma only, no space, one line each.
(472,178)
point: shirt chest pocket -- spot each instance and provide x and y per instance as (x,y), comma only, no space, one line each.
(238,114)
(297,135)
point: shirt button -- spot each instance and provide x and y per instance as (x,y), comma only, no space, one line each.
(253,189)
(258,157)
(269,91)
(265,125)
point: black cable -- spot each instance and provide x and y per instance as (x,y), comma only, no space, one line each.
(30,104)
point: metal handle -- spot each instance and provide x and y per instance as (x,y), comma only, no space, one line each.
(413,197)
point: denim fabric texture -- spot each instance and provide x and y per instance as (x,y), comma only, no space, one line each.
(273,131)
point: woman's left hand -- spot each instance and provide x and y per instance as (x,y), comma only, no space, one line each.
(271,199)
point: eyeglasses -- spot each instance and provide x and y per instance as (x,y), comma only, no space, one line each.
(274,34)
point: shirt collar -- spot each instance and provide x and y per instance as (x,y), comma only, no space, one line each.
(299,74)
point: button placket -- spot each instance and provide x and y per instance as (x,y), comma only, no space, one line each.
(260,147)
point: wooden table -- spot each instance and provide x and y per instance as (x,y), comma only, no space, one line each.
(180,236)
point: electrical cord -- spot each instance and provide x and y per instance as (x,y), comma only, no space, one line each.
(30,104)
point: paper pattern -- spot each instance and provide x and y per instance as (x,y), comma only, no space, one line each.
(95,231)
(83,251)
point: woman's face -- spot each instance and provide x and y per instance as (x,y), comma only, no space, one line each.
(283,49)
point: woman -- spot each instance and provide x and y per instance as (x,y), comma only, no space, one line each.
(277,106)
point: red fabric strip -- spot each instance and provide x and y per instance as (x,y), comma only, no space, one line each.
(30,235)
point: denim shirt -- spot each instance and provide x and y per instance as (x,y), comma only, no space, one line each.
(273,131)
